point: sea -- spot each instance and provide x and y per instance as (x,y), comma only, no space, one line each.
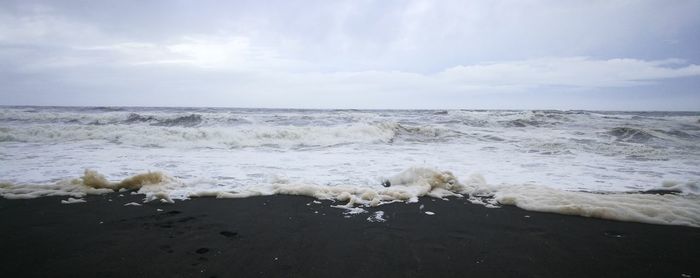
(629,166)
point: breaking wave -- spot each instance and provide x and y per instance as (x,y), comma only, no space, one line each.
(175,133)
(628,134)
(336,154)
(512,118)
(184,121)
(137,118)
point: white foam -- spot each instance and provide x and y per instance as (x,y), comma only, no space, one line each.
(91,183)
(72,201)
(429,213)
(406,186)
(351,210)
(132,204)
(691,187)
(378,216)
(64,188)
(668,209)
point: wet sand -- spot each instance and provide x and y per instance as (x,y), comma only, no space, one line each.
(290,236)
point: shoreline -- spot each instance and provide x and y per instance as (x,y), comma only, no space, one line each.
(294,236)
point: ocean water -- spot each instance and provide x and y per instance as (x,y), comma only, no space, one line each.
(588,163)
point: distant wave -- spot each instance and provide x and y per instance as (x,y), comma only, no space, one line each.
(137,118)
(105,108)
(640,135)
(185,121)
(629,134)
(175,133)
(512,118)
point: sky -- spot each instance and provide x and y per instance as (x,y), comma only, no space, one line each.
(529,54)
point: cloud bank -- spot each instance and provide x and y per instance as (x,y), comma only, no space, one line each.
(415,54)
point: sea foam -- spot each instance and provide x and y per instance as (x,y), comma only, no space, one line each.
(349,156)
(669,209)
(91,183)
(406,186)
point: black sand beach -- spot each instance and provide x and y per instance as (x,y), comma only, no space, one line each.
(283,236)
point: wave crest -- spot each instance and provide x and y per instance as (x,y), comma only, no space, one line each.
(628,134)
(233,137)
(185,121)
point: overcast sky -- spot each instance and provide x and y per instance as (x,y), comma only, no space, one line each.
(608,55)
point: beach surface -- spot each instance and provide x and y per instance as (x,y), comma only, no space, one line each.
(294,236)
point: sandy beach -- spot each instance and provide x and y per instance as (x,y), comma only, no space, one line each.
(291,236)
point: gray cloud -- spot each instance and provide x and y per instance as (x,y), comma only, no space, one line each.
(370,54)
